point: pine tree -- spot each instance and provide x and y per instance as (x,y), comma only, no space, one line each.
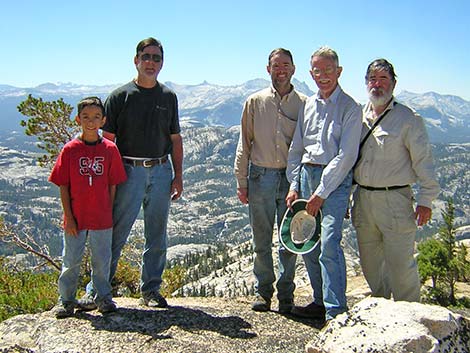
(447,237)
(432,260)
(51,123)
(443,260)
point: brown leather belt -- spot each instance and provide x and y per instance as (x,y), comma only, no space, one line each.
(384,188)
(314,165)
(146,163)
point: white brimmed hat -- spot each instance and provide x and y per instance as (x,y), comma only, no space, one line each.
(300,232)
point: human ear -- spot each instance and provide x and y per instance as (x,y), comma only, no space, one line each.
(312,74)
(339,70)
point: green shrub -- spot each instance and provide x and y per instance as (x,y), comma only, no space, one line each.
(126,281)
(26,292)
(173,279)
(444,261)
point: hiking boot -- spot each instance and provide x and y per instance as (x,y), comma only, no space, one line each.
(106,306)
(285,306)
(63,310)
(86,303)
(261,304)
(326,324)
(155,300)
(311,311)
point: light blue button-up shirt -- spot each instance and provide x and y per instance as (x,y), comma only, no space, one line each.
(328,133)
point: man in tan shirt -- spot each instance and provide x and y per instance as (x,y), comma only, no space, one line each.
(267,125)
(395,155)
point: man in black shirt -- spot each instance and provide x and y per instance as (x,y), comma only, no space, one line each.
(142,117)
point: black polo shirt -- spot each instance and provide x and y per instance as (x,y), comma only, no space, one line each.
(142,119)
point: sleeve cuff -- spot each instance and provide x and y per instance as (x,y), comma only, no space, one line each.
(423,201)
(242,183)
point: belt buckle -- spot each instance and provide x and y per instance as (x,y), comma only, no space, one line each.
(149,161)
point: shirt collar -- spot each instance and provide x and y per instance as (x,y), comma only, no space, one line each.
(333,97)
(368,107)
(276,94)
(368,112)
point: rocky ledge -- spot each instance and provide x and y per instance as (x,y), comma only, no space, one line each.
(373,325)
(187,325)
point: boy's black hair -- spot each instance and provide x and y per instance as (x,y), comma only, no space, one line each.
(87,101)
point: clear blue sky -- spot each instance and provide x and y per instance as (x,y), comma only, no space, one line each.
(227,42)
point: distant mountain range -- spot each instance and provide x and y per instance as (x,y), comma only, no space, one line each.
(447,117)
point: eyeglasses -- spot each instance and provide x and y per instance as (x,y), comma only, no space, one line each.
(147,57)
(328,71)
(382,79)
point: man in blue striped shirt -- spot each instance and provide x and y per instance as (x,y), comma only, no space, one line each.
(322,153)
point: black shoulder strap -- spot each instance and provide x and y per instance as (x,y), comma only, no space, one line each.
(363,141)
(377,122)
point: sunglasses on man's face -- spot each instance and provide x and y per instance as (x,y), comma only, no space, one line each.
(147,57)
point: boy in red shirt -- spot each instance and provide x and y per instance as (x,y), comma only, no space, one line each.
(87,171)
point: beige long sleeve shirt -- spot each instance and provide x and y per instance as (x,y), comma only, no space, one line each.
(397,153)
(267,126)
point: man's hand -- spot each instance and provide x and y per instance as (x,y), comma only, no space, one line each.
(423,215)
(177,161)
(314,204)
(242,194)
(71,227)
(176,188)
(291,197)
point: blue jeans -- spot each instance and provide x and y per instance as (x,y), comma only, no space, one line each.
(325,265)
(72,254)
(267,190)
(148,188)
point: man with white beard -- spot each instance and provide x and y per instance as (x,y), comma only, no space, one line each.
(395,155)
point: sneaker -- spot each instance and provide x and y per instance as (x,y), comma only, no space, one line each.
(106,306)
(285,306)
(261,304)
(86,303)
(63,310)
(311,311)
(155,300)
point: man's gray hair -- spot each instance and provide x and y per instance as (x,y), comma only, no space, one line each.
(325,52)
(381,65)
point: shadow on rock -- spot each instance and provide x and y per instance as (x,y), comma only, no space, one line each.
(315,323)
(155,322)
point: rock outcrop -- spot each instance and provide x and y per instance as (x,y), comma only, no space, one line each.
(211,325)
(221,325)
(377,325)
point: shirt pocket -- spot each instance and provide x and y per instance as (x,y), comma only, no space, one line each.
(387,145)
(334,130)
(288,129)
(381,136)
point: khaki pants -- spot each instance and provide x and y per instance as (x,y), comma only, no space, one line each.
(386,228)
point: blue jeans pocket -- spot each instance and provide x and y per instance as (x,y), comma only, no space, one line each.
(256,172)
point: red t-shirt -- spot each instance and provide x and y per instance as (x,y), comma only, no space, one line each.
(89,170)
